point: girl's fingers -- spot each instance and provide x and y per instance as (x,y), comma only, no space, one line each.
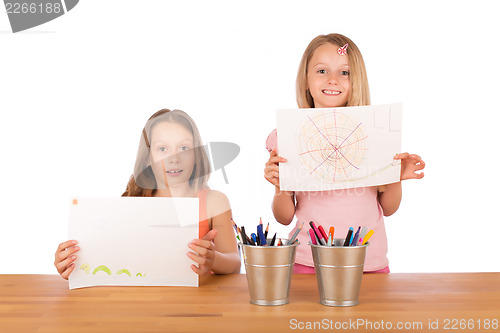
(65,245)
(401,156)
(66,253)
(61,266)
(196,258)
(198,270)
(201,250)
(68,271)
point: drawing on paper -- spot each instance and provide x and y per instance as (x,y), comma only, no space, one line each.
(332,146)
(86,268)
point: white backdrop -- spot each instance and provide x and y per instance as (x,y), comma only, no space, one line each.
(76,92)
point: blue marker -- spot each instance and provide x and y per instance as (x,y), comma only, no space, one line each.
(356,236)
(254,237)
(352,235)
(262,237)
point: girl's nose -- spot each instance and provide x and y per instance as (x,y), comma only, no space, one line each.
(332,79)
(173,158)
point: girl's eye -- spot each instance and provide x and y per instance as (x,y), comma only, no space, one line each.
(344,73)
(162,149)
(184,148)
(321,71)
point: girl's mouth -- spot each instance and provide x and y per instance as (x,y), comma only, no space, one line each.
(174,172)
(331,92)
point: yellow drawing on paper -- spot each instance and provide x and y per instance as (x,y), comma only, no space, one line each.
(102,268)
(86,268)
(123,271)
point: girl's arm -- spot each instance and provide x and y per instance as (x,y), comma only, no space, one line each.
(284,201)
(218,251)
(390,197)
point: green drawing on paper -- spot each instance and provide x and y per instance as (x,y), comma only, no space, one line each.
(123,271)
(102,268)
(86,268)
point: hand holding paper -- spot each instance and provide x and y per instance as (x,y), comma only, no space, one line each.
(410,164)
(205,255)
(271,171)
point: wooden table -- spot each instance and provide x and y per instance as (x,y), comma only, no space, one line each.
(412,302)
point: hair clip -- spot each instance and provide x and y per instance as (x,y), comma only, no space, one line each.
(343,50)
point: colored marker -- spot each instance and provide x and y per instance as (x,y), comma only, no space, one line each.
(295,234)
(329,240)
(243,236)
(348,237)
(332,232)
(323,233)
(260,233)
(367,237)
(352,235)
(356,236)
(274,239)
(362,234)
(280,243)
(360,242)
(312,237)
(254,237)
(317,233)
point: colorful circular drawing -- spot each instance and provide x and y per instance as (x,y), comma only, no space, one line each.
(332,146)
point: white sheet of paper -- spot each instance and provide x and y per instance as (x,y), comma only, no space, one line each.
(133,241)
(337,148)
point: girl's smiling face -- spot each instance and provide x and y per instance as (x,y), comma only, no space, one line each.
(328,77)
(172,143)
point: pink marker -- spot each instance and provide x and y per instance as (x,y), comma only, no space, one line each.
(312,237)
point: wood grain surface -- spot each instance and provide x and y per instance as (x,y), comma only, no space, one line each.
(448,302)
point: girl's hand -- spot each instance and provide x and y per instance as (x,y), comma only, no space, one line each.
(410,164)
(205,255)
(64,258)
(271,171)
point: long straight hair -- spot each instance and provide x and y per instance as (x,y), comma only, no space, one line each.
(359,91)
(143,183)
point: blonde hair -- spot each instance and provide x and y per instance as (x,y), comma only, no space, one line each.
(143,183)
(359,91)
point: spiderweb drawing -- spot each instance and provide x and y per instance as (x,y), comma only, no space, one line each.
(332,146)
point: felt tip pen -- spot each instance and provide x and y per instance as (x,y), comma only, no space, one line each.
(254,237)
(356,236)
(348,237)
(312,237)
(243,236)
(323,233)
(316,231)
(260,233)
(352,235)
(367,237)
(329,240)
(363,232)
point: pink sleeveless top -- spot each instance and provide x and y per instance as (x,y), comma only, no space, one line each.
(341,209)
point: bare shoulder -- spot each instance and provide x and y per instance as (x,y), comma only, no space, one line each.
(217,203)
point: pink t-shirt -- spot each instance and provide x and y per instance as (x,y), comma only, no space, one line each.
(341,209)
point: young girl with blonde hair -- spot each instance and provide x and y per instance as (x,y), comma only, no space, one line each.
(172,162)
(332,74)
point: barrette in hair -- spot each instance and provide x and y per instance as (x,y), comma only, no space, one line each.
(343,50)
